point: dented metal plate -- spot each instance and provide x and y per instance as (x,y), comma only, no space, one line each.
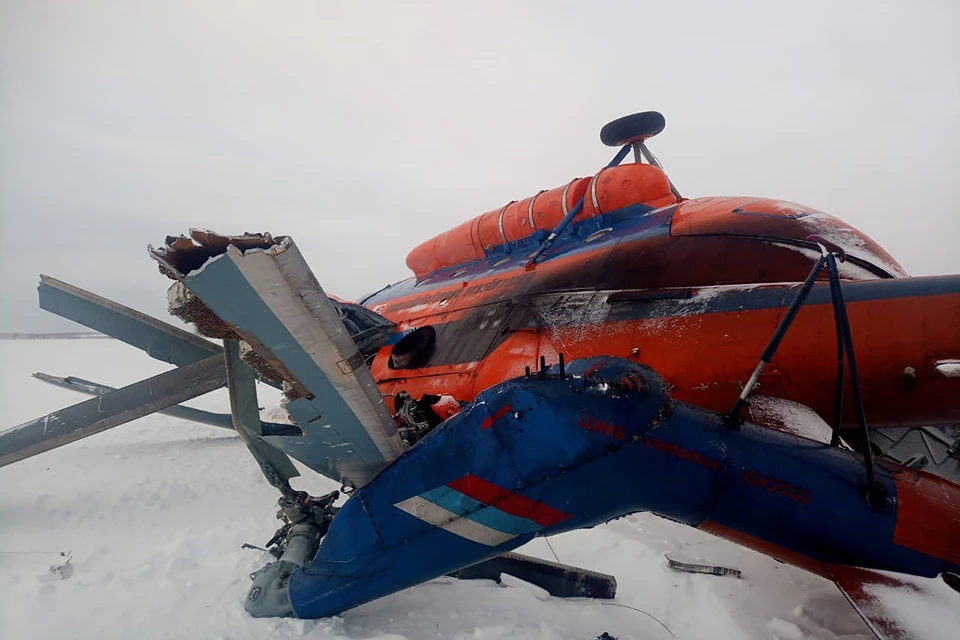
(272,300)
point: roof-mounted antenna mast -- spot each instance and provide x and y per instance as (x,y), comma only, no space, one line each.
(634,130)
(628,132)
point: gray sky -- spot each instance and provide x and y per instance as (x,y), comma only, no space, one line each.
(363,128)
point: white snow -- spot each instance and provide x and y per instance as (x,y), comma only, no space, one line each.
(790,417)
(851,240)
(154,514)
(948,368)
(846,269)
(935,615)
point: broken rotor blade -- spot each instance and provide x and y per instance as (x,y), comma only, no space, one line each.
(274,463)
(221,420)
(264,290)
(158,339)
(112,409)
(558,579)
(90,388)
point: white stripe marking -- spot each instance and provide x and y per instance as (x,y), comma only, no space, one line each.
(464,527)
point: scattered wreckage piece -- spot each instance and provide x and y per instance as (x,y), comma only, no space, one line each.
(684,564)
(263,291)
(557,579)
(346,336)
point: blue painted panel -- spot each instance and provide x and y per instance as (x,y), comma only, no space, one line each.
(674,460)
(632,223)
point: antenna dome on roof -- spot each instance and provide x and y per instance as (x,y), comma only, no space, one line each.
(633,128)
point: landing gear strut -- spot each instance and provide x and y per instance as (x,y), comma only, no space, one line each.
(294,544)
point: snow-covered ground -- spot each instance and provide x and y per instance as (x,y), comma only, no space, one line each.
(155,512)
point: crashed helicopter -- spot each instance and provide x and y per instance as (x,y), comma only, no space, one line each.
(608,332)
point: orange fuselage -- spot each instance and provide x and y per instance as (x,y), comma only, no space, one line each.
(693,289)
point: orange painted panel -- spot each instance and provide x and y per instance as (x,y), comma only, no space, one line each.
(617,187)
(508,360)
(516,219)
(456,246)
(489,230)
(706,357)
(548,210)
(928,515)
(777,219)
(469,240)
(423,258)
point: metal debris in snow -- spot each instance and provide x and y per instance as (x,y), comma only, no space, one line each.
(679,564)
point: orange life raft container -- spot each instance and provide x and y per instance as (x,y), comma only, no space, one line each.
(611,189)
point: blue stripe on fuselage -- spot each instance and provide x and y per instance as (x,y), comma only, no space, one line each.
(708,300)
(463,505)
(630,223)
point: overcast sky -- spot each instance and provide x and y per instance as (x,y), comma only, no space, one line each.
(363,128)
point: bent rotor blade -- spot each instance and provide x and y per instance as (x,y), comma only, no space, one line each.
(112,409)
(158,339)
(276,466)
(264,289)
(221,420)
(90,388)
(559,580)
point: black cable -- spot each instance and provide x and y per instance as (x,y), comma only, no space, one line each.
(556,557)
(613,604)
(649,615)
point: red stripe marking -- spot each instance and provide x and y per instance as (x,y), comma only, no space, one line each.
(488,422)
(512,503)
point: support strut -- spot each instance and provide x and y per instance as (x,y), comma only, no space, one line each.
(875,493)
(617,159)
(733,416)
(841,348)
